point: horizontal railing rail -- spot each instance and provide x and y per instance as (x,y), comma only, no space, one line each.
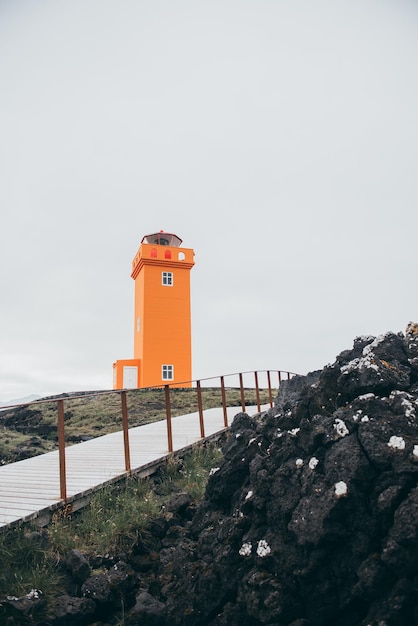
(248,383)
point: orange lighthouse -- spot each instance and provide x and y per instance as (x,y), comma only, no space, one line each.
(162,316)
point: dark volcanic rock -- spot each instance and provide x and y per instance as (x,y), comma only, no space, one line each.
(78,566)
(111,587)
(147,610)
(70,611)
(312,517)
(21,609)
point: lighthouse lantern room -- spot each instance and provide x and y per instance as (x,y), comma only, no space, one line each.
(162,316)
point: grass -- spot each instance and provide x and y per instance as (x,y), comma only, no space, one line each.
(29,565)
(110,523)
(113,522)
(117,514)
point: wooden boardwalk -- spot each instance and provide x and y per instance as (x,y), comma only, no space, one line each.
(31,488)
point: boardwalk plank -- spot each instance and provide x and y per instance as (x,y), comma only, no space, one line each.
(32,486)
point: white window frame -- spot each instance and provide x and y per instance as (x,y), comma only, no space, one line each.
(167,372)
(167,279)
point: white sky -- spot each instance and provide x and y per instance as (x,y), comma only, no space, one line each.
(278,138)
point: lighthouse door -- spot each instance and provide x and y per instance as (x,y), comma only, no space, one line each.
(130,377)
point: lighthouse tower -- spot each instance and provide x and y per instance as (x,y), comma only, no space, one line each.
(162,316)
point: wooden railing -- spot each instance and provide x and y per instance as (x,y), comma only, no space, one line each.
(196,387)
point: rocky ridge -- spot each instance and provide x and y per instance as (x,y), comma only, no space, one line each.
(311,518)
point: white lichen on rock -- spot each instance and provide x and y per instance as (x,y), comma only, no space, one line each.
(213,470)
(366,396)
(340,489)
(407,403)
(341,428)
(313,462)
(245,549)
(299,462)
(249,495)
(357,415)
(367,360)
(409,408)
(398,443)
(263,548)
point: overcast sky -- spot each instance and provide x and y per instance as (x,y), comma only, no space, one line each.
(278,138)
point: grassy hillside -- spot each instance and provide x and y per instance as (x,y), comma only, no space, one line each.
(32,429)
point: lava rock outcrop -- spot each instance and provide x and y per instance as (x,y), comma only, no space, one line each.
(311,519)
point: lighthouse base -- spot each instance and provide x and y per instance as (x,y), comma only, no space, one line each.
(126,374)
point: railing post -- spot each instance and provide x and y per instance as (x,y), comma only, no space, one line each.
(61,450)
(269,384)
(288,375)
(224,402)
(168,416)
(257,392)
(125,431)
(280,376)
(199,404)
(241,385)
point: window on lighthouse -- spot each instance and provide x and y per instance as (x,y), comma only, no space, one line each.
(168,372)
(168,278)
